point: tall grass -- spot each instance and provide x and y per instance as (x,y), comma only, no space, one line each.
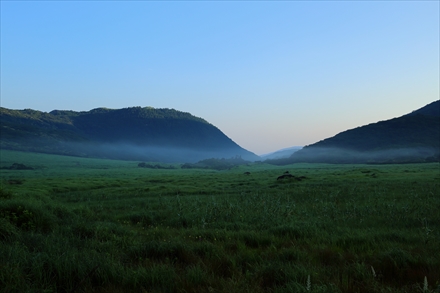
(73,226)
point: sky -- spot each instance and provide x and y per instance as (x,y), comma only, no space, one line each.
(270,75)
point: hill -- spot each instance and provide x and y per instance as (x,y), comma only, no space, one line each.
(135,133)
(432,109)
(280,154)
(414,137)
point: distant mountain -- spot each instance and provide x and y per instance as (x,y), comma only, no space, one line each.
(281,154)
(414,137)
(135,133)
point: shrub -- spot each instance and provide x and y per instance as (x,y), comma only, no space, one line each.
(5,194)
(7,230)
(29,216)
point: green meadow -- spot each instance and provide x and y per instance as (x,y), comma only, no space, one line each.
(92,225)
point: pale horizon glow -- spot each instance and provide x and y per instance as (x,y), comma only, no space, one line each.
(270,75)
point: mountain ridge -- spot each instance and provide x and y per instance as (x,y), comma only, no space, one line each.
(413,137)
(144,133)
(281,153)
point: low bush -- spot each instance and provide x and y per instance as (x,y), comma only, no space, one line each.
(30,216)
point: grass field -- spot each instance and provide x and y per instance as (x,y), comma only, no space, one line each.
(89,225)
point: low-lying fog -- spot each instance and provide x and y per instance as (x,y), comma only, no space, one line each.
(167,154)
(338,155)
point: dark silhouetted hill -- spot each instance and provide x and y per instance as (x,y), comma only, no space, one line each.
(414,137)
(432,109)
(134,133)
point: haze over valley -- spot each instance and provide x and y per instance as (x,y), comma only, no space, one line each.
(168,135)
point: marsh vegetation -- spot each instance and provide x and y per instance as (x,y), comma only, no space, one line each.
(92,225)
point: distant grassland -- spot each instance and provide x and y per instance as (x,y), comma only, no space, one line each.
(91,225)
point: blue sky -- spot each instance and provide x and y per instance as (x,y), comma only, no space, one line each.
(270,75)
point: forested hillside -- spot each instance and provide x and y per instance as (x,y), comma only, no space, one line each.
(130,133)
(414,137)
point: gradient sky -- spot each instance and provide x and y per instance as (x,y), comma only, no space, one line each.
(270,75)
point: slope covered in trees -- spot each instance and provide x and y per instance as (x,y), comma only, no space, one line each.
(130,133)
(414,137)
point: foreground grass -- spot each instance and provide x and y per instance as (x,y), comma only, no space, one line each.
(85,225)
